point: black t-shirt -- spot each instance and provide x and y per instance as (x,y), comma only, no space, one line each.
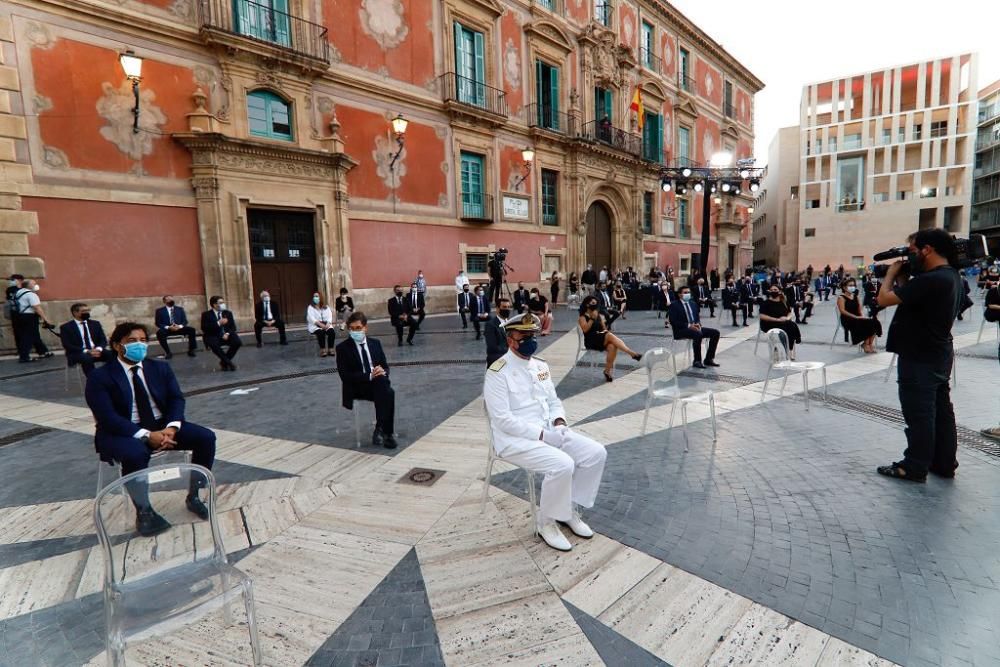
(921,328)
(774,309)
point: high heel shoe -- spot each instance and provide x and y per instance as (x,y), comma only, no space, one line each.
(636,356)
(607,376)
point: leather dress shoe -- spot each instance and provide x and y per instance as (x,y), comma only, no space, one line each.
(711,362)
(192,353)
(698,364)
(550,533)
(168,355)
(149,523)
(195,506)
(378,438)
(389,442)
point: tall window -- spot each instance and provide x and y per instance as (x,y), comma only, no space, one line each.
(475,262)
(647,212)
(472,186)
(683,224)
(602,12)
(727,100)
(851,184)
(263,19)
(652,137)
(683,145)
(547,95)
(548,4)
(647,45)
(685,65)
(602,105)
(550,196)
(470,66)
(268,115)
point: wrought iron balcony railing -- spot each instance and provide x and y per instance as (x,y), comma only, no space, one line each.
(650,60)
(457,88)
(265,24)
(610,135)
(477,206)
(686,83)
(729,110)
(547,117)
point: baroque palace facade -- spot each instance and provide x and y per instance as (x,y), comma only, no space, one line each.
(262,153)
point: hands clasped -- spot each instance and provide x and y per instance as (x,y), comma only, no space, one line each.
(557,436)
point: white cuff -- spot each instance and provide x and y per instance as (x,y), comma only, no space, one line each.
(176,425)
(140,434)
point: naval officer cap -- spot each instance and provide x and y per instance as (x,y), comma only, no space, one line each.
(523,322)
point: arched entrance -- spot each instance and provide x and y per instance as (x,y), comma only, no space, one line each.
(598,236)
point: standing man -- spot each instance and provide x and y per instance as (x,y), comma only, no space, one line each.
(398,315)
(521,297)
(529,430)
(139,410)
(29,314)
(496,338)
(481,311)
(465,304)
(13,287)
(171,320)
(920,333)
(84,340)
(992,314)
(267,313)
(364,372)
(421,283)
(588,279)
(686,323)
(218,329)
(703,295)
(461,280)
(796,296)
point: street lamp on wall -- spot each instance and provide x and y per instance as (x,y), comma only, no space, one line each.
(132,64)
(528,155)
(399,130)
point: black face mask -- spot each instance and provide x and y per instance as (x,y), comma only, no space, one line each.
(170,303)
(504,312)
(84,316)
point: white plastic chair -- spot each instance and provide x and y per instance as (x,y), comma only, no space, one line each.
(80,378)
(688,344)
(954,369)
(657,358)
(491,458)
(156,458)
(982,327)
(155,585)
(777,343)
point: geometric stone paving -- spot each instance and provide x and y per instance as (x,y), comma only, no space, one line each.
(613,648)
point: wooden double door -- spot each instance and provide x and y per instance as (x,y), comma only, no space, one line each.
(283,258)
(598,236)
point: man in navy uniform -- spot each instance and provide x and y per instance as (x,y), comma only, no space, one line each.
(139,410)
(364,372)
(172,321)
(686,323)
(84,340)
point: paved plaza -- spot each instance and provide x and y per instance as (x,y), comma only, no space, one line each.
(776,545)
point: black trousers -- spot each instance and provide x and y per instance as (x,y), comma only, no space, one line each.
(410,323)
(806,308)
(259,325)
(708,303)
(163,334)
(40,348)
(925,399)
(325,337)
(465,318)
(738,307)
(86,361)
(379,392)
(611,315)
(232,344)
(28,336)
(495,290)
(697,335)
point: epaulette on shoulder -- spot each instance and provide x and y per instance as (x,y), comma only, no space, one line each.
(498,364)
(535,356)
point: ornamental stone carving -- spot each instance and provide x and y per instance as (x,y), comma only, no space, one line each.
(116,105)
(384,21)
(604,61)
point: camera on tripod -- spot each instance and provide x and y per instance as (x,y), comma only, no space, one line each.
(967,253)
(500,255)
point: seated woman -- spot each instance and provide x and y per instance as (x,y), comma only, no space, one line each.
(775,314)
(859,327)
(539,305)
(597,337)
(320,323)
(344,306)
(620,299)
(573,285)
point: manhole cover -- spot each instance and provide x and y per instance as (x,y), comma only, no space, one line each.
(421,476)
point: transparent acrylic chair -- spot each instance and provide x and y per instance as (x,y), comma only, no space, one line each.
(777,343)
(155,585)
(581,349)
(491,458)
(659,358)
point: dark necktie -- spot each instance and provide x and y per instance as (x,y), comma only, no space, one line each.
(481,308)
(142,404)
(414,302)
(87,343)
(687,308)
(170,311)
(267,309)
(364,360)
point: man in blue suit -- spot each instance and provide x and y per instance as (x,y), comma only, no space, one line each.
(84,340)
(480,311)
(364,372)
(171,321)
(686,323)
(139,410)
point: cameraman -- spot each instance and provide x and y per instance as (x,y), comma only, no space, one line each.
(29,313)
(495,267)
(920,333)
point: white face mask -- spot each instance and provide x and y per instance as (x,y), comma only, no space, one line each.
(36,287)
(266,298)
(222,306)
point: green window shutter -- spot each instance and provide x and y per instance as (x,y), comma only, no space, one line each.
(480,60)
(539,87)
(279,16)
(554,89)
(659,138)
(472,185)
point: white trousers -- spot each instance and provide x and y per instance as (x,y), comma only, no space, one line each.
(571,474)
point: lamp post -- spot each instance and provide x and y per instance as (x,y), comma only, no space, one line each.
(399,130)
(528,155)
(717,179)
(132,64)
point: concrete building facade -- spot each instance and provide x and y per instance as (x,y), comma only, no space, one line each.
(775,218)
(261,156)
(986,173)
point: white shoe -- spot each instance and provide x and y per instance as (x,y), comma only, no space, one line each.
(549,531)
(579,528)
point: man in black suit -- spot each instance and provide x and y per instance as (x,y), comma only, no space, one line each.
(731,301)
(795,294)
(267,313)
(139,410)
(703,295)
(496,337)
(84,340)
(588,279)
(749,295)
(218,328)
(399,314)
(480,311)
(686,323)
(364,372)
(604,305)
(465,305)
(172,321)
(521,297)
(415,309)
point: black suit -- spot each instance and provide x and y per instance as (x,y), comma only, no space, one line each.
(355,374)
(75,345)
(703,295)
(399,314)
(796,297)
(521,297)
(415,309)
(605,307)
(480,313)
(164,318)
(731,302)
(465,307)
(682,316)
(496,340)
(260,316)
(212,333)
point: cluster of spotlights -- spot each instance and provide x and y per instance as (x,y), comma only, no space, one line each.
(681,186)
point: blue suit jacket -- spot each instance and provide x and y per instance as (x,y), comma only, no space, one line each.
(474,306)
(163,317)
(679,319)
(109,396)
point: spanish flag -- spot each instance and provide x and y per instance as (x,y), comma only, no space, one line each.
(637,107)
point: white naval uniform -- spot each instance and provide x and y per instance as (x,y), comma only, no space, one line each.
(521,401)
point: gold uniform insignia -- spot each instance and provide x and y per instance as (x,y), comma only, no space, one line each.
(498,364)
(544,375)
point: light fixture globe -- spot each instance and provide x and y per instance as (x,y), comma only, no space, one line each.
(685,172)
(698,187)
(726,187)
(528,154)
(399,125)
(721,159)
(132,64)
(666,185)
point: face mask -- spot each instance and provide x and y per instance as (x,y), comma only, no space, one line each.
(685,297)
(84,316)
(358,336)
(36,287)
(222,306)
(504,312)
(479,292)
(774,295)
(420,275)
(170,303)
(527,346)
(12,283)
(466,290)
(266,299)
(316,300)
(135,352)
(534,295)
(399,292)
(852,289)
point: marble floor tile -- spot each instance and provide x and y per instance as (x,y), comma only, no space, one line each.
(571,651)
(608,571)
(764,638)
(838,653)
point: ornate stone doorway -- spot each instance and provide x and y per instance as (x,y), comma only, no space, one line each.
(598,236)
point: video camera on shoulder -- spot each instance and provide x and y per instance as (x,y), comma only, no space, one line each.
(967,253)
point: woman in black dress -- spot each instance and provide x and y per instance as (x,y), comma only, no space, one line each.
(554,289)
(775,314)
(597,337)
(620,299)
(861,328)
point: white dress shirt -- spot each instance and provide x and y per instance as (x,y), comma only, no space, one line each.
(365,354)
(141,433)
(85,335)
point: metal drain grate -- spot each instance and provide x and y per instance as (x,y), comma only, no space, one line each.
(23,435)
(421,477)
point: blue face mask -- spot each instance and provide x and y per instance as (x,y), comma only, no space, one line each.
(527,347)
(686,297)
(316,300)
(135,352)
(358,336)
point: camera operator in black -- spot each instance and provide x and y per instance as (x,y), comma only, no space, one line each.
(920,333)
(495,267)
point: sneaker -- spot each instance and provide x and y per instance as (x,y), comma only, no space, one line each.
(549,531)
(577,525)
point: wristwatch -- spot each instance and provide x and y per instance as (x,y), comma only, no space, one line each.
(145,440)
